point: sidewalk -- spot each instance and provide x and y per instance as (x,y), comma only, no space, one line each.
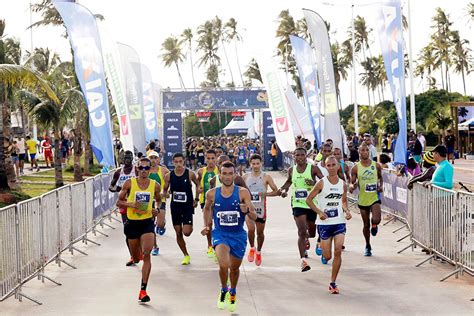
(384,284)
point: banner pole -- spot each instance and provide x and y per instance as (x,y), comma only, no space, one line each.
(410,71)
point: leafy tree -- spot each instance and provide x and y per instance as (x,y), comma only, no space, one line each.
(173,55)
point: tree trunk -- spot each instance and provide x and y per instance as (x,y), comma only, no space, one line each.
(7,126)
(463,80)
(228,64)
(58,170)
(87,155)
(202,129)
(3,175)
(77,155)
(180,78)
(238,63)
(192,65)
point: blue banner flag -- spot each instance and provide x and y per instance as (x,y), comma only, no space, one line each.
(149,106)
(268,136)
(390,34)
(309,82)
(85,42)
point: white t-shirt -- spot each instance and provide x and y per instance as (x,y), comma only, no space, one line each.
(372,152)
(422,140)
(21,146)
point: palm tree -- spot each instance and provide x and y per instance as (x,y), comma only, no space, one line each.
(18,76)
(43,60)
(470,10)
(187,38)
(233,36)
(218,32)
(426,64)
(440,41)
(361,35)
(380,74)
(369,77)
(286,27)
(207,44)
(252,73)
(173,54)
(461,56)
(340,65)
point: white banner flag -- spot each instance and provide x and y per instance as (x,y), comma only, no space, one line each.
(300,117)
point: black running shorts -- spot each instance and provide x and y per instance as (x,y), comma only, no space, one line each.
(310,215)
(134,229)
(182,216)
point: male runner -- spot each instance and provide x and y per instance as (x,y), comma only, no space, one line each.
(157,173)
(331,194)
(182,202)
(303,177)
(258,182)
(137,197)
(367,175)
(344,170)
(228,206)
(241,152)
(205,174)
(120,176)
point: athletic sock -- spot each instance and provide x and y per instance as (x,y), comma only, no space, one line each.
(143,286)
(232,291)
(258,251)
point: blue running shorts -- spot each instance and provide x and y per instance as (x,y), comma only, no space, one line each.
(236,241)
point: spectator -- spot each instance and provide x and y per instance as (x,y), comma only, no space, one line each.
(353,153)
(386,162)
(417,149)
(450,142)
(355,141)
(21,153)
(429,164)
(274,153)
(393,144)
(413,167)
(32,145)
(385,144)
(443,175)
(422,140)
(48,152)
(372,149)
(14,151)
(64,150)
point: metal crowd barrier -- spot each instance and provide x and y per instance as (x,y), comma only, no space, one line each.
(442,223)
(35,232)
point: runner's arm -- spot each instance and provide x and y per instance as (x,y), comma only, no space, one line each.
(380,178)
(347,173)
(157,198)
(122,198)
(315,171)
(345,206)
(312,195)
(113,187)
(207,212)
(353,179)
(212,182)
(198,185)
(284,188)
(194,179)
(166,187)
(275,191)
(240,182)
(248,206)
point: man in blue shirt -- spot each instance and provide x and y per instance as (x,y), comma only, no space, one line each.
(443,175)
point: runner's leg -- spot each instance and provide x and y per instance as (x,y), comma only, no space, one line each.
(234,265)
(135,250)
(180,239)
(376,213)
(366,230)
(222,253)
(336,264)
(302,225)
(260,236)
(251,231)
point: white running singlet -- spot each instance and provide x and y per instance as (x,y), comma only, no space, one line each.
(330,202)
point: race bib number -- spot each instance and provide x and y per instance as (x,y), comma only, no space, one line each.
(255,197)
(229,218)
(143,198)
(332,213)
(371,187)
(241,157)
(301,194)
(180,197)
(201,154)
(260,212)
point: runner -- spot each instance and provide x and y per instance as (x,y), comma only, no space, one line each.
(331,194)
(32,145)
(367,176)
(200,149)
(120,176)
(241,153)
(258,182)
(228,206)
(303,177)
(137,197)
(157,173)
(182,203)
(205,174)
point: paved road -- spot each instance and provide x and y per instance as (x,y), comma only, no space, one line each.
(384,284)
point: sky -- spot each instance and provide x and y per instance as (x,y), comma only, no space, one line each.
(144,24)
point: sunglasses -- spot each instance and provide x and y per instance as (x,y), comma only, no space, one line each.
(144,168)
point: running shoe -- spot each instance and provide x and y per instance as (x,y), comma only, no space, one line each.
(308,245)
(222,299)
(318,249)
(186,260)
(258,259)
(374,230)
(343,247)
(210,252)
(333,288)
(324,260)
(232,303)
(155,251)
(130,263)
(368,251)
(143,297)
(161,231)
(305,266)
(251,255)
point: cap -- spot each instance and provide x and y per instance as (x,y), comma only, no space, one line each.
(153,153)
(428,157)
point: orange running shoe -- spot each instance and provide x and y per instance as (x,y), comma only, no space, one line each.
(258,258)
(333,288)
(143,297)
(251,255)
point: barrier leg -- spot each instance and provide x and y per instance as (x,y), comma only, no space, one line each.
(389,221)
(72,248)
(430,259)
(94,231)
(47,278)
(408,235)
(86,240)
(411,245)
(400,228)
(102,224)
(454,272)
(20,296)
(60,260)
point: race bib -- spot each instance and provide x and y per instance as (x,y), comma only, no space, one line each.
(371,187)
(301,194)
(229,218)
(241,157)
(180,197)
(255,197)
(332,213)
(143,198)
(201,154)
(260,212)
